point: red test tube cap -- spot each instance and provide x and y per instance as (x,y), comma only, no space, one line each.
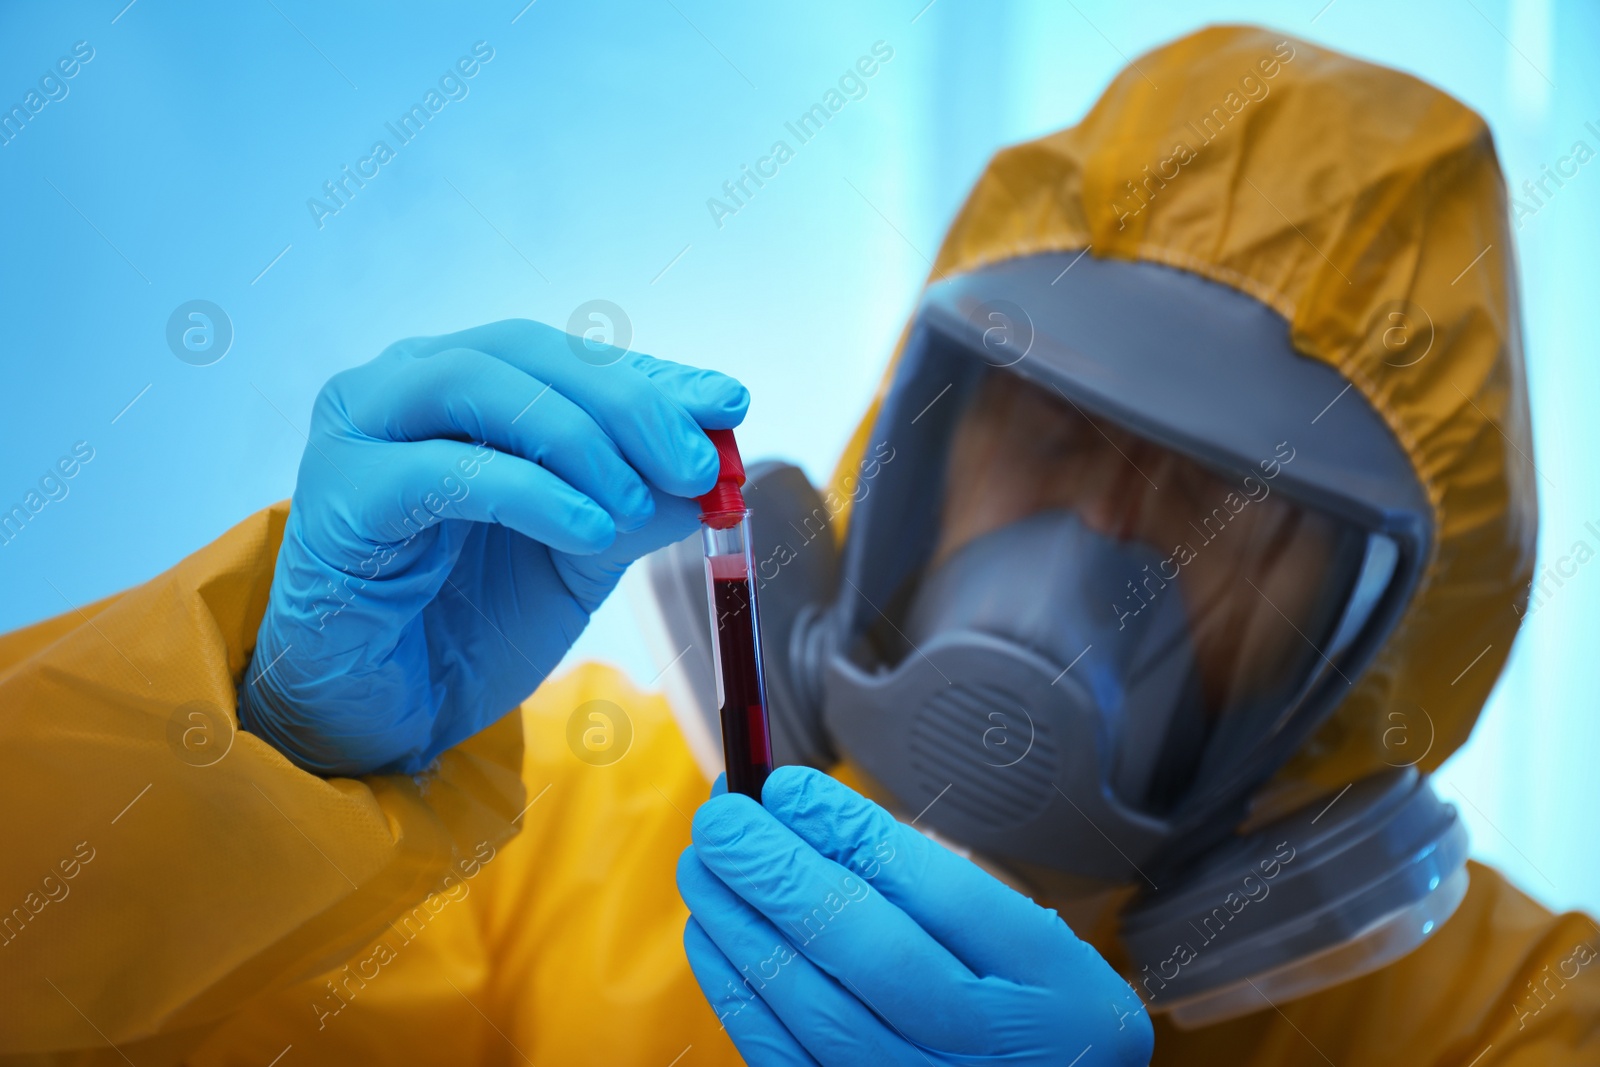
(723,506)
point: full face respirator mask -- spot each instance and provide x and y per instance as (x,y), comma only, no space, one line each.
(1107,568)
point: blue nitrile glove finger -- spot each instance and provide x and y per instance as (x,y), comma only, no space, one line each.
(1040,996)
(455,522)
(654,413)
(757,1033)
(463,394)
(326,726)
(1017,939)
(766,965)
(711,398)
(591,577)
(832,916)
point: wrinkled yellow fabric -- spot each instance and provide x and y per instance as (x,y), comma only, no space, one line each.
(147,893)
(214,926)
(242,911)
(223,905)
(563,947)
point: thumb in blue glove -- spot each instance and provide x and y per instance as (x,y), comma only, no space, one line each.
(825,932)
(463,505)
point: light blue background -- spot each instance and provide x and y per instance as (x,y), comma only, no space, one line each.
(579,167)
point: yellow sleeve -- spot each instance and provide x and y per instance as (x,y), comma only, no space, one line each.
(563,946)
(162,868)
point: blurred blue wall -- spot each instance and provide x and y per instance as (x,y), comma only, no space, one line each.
(176,165)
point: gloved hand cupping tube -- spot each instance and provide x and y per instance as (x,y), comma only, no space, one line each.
(463,505)
(825,932)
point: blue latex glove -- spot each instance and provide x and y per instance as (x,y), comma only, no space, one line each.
(463,505)
(825,932)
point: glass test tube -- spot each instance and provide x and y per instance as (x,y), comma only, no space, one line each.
(736,649)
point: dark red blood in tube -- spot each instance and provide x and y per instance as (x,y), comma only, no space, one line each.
(725,532)
(746,747)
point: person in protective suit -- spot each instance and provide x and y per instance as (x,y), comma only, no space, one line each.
(1186,535)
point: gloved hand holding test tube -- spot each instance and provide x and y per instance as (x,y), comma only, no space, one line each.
(736,624)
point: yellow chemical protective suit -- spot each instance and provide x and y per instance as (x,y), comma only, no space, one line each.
(174,891)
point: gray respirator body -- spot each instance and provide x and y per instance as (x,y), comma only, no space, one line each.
(1034,697)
